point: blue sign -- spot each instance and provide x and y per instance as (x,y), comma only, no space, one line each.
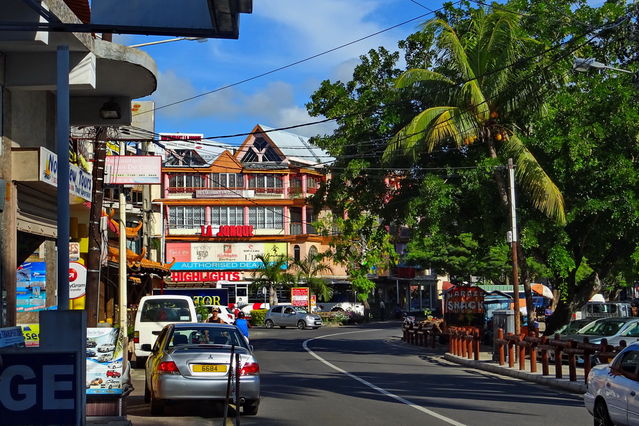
(205,296)
(39,388)
(216,266)
(11,336)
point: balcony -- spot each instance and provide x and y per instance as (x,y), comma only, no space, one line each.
(296,228)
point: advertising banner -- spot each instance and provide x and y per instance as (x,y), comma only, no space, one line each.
(464,306)
(205,276)
(299,296)
(77,284)
(104,361)
(31,288)
(31,334)
(220,256)
(204,296)
(80,182)
(133,170)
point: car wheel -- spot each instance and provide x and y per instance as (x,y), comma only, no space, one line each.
(147,393)
(301,325)
(250,407)
(600,414)
(157,406)
(269,324)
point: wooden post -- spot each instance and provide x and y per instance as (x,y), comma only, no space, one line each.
(500,337)
(522,354)
(533,358)
(511,351)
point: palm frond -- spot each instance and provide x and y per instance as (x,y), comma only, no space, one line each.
(418,75)
(538,186)
(474,97)
(448,39)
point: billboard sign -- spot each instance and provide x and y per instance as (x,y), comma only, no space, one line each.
(80,182)
(104,361)
(204,18)
(464,306)
(205,296)
(133,170)
(31,289)
(205,276)
(299,296)
(220,256)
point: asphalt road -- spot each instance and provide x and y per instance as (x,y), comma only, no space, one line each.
(366,376)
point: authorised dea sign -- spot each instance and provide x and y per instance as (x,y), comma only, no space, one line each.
(39,389)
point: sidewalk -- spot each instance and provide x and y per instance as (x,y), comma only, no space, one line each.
(486,363)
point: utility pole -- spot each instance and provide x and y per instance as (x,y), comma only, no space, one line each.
(95,228)
(122,265)
(62,148)
(513,245)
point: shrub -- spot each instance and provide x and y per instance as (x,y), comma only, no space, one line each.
(257,316)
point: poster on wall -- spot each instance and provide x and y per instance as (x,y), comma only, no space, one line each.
(220,256)
(31,287)
(299,296)
(104,361)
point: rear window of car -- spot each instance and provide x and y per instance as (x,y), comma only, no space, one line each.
(277,309)
(170,310)
(206,336)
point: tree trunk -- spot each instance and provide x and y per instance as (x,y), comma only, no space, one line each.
(95,232)
(581,295)
(272,295)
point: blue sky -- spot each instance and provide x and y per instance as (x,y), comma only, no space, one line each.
(277,33)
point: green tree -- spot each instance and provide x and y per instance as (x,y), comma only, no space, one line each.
(272,274)
(307,273)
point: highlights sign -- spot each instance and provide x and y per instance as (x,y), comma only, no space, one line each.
(465,306)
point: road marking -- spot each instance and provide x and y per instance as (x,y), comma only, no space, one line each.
(369,384)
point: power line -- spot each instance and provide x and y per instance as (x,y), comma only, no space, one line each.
(283,67)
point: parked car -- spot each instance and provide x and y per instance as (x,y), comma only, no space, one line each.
(91,343)
(107,347)
(614,330)
(604,310)
(105,357)
(571,331)
(191,362)
(612,389)
(291,316)
(90,353)
(357,308)
(224,313)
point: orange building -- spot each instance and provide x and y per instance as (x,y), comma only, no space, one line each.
(253,201)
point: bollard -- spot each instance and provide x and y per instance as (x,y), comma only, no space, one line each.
(522,355)
(476,340)
(533,358)
(500,337)
(511,351)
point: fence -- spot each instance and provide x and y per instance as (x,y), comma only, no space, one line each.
(519,349)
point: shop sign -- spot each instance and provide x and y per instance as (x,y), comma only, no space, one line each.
(11,336)
(31,287)
(80,182)
(205,276)
(235,231)
(464,306)
(224,193)
(133,170)
(40,388)
(31,334)
(299,296)
(204,296)
(74,251)
(104,361)
(77,280)
(181,136)
(221,256)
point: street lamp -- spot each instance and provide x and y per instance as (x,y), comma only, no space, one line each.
(169,40)
(585,64)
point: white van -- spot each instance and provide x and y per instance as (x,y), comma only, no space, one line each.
(154,312)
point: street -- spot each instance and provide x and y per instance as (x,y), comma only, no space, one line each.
(365,375)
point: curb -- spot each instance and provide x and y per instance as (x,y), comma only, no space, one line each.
(562,384)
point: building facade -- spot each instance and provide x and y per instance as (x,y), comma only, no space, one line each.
(251,200)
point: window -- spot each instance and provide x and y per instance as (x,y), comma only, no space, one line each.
(227,180)
(633,331)
(266,217)
(182,181)
(186,217)
(266,183)
(312,252)
(627,365)
(277,309)
(172,310)
(227,215)
(296,253)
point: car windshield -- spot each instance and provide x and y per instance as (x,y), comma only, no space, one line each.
(604,328)
(573,327)
(206,336)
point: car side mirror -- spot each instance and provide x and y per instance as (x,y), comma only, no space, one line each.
(156,332)
(147,347)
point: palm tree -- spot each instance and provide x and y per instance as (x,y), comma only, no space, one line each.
(478,111)
(307,271)
(483,88)
(271,274)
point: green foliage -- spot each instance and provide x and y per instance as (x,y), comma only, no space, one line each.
(271,274)
(202,311)
(257,316)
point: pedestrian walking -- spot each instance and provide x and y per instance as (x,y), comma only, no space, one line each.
(382,310)
(242,324)
(215,318)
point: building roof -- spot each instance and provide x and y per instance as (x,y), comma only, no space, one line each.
(297,148)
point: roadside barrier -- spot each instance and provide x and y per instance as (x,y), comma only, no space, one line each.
(529,346)
(464,342)
(425,335)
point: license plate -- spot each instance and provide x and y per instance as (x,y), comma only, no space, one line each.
(209,368)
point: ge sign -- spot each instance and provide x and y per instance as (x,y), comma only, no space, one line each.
(39,388)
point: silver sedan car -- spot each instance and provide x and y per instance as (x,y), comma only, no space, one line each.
(291,316)
(193,361)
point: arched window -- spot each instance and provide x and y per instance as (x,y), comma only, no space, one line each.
(296,253)
(312,252)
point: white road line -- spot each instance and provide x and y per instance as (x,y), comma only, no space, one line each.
(372,386)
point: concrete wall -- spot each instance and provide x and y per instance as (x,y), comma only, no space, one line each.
(33,119)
